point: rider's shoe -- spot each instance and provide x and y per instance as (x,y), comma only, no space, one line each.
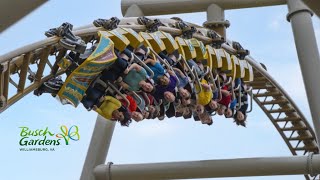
(143,20)
(51,32)
(217,40)
(241,52)
(187,31)
(38,92)
(51,86)
(151,25)
(108,24)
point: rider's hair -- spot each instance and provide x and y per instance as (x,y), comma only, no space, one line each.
(127,119)
(241,123)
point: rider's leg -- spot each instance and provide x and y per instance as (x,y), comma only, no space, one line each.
(93,94)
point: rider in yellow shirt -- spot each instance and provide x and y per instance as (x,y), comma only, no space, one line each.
(109,108)
(205,96)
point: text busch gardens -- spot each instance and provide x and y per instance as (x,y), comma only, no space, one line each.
(46,137)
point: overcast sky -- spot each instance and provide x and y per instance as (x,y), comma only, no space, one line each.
(264,31)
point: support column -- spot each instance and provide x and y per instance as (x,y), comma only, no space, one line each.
(265,166)
(300,17)
(216,20)
(98,148)
(133,11)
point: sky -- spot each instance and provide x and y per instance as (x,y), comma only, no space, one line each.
(264,31)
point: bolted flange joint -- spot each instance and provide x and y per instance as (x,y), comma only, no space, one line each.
(215,24)
(217,40)
(296,7)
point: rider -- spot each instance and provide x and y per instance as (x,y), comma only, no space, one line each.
(240,115)
(97,90)
(109,108)
(156,67)
(135,78)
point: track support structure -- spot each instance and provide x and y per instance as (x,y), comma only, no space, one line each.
(211,168)
(300,17)
(99,147)
(216,20)
(103,130)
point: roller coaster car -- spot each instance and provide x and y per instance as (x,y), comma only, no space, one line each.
(226,60)
(169,42)
(119,40)
(154,41)
(189,47)
(122,37)
(201,52)
(248,77)
(79,80)
(208,65)
(238,68)
(214,57)
(135,39)
(207,62)
(186,48)
(157,40)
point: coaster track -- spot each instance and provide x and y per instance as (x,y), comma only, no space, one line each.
(15,70)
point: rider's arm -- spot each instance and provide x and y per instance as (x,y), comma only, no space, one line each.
(151,61)
(133,66)
(99,111)
(171,73)
(206,87)
(225,92)
(118,97)
(113,100)
(124,85)
(180,72)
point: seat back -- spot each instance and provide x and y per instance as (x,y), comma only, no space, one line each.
(239,67)
(80,79)
(226,60)
(214,57)
(120,41)
(154,41)
(135,39)
(248,77)
(169,42)
(201,52)
(186,48)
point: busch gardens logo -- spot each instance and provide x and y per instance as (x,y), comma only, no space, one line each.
(45,137)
